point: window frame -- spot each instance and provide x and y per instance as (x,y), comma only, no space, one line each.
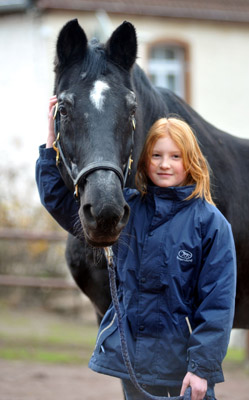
(175,43)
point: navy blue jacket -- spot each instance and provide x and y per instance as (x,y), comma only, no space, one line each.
(176,283)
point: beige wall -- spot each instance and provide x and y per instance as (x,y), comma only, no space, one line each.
(23,99)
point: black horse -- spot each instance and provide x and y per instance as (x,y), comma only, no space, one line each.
(100,89)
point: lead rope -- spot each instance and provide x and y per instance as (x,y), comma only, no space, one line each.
(113,287)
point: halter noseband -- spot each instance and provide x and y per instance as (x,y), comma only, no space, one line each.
(94,166)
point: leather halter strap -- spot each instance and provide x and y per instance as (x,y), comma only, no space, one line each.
(94,166)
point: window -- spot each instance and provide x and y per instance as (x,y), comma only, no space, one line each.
(166,67)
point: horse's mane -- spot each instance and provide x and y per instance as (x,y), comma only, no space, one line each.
(150,96)
(95,61)
(141,81)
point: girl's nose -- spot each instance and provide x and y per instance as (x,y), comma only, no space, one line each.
(165,163)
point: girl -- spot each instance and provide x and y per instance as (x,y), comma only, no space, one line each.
(175,268)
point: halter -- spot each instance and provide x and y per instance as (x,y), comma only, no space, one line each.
(91,167)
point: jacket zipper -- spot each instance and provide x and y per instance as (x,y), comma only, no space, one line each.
(105,329)
(189,325)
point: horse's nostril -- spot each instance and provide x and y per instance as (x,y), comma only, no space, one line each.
(89,216)
(126,215)
(107,218)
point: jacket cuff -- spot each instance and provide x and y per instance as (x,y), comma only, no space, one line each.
(207,371)
(47,154)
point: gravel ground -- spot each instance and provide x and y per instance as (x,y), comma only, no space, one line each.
(31,381)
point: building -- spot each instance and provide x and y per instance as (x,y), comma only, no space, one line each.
(197,48)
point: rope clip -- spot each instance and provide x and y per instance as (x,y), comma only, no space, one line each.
(109,255)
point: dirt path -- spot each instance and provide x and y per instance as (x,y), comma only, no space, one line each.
(28,381)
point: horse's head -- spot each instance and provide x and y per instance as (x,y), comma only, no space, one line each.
(96,106)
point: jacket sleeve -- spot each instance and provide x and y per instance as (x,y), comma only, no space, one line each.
(215,295)
(54,194)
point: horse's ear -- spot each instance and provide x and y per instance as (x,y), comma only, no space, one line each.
(122,45)
(71,44)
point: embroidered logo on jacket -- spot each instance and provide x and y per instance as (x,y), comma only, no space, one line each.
(185,255)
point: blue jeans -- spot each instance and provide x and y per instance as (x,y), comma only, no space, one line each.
(131,392)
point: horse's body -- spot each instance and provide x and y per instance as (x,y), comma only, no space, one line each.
(95,85)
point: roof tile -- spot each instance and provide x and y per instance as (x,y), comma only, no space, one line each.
(219,10)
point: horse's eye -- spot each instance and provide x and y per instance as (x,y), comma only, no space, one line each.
(133,111)
(133,108)
(63,111)
(131,102)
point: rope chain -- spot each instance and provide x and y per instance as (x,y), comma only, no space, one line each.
(124,348)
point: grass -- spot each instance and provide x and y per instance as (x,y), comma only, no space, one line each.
(42,337)
(41,355)
(235,355)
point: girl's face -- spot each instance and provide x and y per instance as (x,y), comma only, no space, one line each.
(165,168)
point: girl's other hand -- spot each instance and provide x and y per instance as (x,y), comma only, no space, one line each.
(51,134)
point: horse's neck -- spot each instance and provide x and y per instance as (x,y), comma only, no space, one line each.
(151,107)
(150,102)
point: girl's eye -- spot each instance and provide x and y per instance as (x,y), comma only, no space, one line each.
(63,111)
(155,155)
(176,156)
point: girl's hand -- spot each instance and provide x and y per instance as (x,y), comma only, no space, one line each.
(51,135)
(198,386)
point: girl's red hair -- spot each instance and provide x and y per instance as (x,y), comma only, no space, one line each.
(194,162)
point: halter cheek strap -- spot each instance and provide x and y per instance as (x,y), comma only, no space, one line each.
(94,166)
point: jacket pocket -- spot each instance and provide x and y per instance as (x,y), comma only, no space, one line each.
(105,333)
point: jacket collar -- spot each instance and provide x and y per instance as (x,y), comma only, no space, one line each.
(167,202)
(178,193)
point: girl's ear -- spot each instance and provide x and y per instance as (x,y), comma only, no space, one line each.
(121,48)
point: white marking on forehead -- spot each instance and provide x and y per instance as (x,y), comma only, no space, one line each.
(97,94)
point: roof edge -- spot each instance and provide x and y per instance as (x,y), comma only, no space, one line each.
(147,10)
